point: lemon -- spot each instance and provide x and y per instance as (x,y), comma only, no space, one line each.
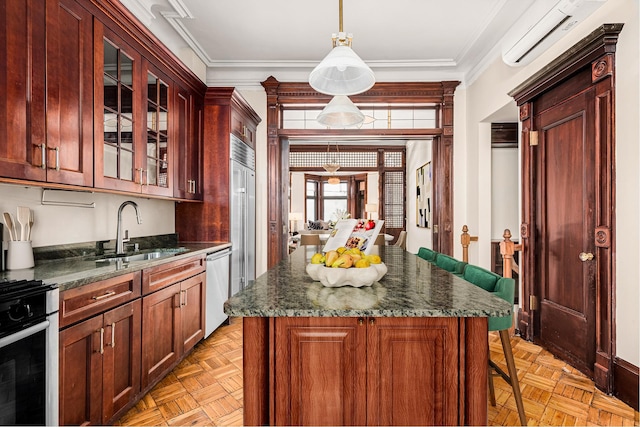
(341,250)
(362,263)
(317,258)
(373,259)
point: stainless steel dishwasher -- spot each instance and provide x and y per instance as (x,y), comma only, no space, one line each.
(217,289)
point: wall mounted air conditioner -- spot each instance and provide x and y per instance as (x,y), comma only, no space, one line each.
(544,23)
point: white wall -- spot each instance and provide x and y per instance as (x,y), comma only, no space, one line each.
(505,191)
(418,153)
(488,95)
(57,225)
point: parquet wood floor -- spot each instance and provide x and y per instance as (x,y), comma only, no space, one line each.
(206,389)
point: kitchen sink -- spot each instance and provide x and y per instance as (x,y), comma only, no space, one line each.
(160,253)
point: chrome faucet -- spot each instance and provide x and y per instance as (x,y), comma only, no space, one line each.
(119,239)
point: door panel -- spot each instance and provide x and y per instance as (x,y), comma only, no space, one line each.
(565,224)
(192,310)
(320,371)
(160,333)
(412,379)
(69,93)
(81,373)
(121,364)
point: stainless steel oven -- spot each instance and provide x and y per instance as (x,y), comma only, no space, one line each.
(28,353)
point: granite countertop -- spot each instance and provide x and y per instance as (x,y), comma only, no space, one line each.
(73,271)
(412,287)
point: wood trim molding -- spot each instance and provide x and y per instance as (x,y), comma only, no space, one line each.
(440,94)
(625,378)
(601,41)
(117,16)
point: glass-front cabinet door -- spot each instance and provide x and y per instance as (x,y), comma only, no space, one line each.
(132,101)
(116,101)
(157,158)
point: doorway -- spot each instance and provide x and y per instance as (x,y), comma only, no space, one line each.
(568,183)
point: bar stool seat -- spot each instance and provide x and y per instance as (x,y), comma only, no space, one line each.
(504,288)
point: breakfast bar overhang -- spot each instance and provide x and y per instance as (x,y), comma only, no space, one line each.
(409,350)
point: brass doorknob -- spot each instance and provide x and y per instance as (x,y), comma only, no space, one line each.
(585,256)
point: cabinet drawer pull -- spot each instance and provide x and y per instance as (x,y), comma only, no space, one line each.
(113,335)
(57,164)
(106,295)
(43,155)
(101,340)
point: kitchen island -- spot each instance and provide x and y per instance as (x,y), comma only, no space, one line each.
(409,350)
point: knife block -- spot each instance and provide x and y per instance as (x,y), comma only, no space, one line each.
(19,255)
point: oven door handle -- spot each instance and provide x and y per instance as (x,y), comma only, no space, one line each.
(8,340)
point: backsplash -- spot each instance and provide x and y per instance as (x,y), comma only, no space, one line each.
(93,248)
(61,225)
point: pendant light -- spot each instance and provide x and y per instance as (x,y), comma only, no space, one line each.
(342,71)
(340,112)
(331,165)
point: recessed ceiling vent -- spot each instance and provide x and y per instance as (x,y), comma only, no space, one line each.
(544,23)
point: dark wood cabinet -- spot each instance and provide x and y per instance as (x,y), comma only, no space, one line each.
(117,94)
(90,100)
(22,105)
(188,115)
(420,356)
(225,112)
(366,371)
(100,366)
(47,110)
(173,322)
(160,333)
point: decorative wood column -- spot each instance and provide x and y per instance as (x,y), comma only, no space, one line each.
(277,185)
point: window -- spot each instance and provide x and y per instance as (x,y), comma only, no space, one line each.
(335,199)
(312,200)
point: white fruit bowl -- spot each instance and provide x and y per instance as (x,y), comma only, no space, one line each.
(337,277)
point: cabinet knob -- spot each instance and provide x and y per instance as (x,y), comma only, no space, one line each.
(360,321)
(372,321)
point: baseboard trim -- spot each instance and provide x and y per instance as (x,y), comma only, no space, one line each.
(625,380)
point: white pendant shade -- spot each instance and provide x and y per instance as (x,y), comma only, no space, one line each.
(340,112)
(342,72)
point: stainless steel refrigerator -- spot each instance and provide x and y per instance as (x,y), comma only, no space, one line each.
(243,214)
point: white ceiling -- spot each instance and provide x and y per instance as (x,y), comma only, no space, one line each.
(242,42)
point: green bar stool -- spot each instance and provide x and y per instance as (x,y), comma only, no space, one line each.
(450,264)
(427,254)
(504,288)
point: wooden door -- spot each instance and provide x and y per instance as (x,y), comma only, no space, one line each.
(22,83)
(320,371)
(188,134)
(160,333)
(192,310)
(412,375)
(121,362)
(81,373)
(565,225)
(69,96)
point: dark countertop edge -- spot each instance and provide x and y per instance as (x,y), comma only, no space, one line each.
(366,313)
(90,275)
